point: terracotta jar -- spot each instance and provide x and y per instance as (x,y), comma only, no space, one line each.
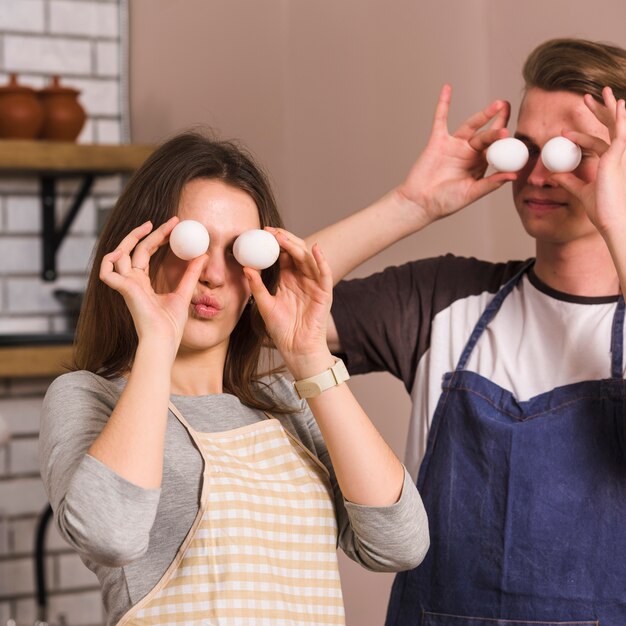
(63,115)
(21,113)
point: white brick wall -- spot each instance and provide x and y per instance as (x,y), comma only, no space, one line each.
(24,325)
(80,41)
(107,131)
(107,59)
(70,574)
(72,18)
(22,456)
(93,19)
(22,497)
(23,215)
(47,54)
(99,97)
(25,16)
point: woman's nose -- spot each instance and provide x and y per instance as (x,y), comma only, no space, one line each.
(214,269)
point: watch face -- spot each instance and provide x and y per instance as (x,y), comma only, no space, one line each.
(307,388)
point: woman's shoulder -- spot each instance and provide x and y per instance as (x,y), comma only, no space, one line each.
(84,383)
(77,402)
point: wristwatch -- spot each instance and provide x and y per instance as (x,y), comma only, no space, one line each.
(314,385)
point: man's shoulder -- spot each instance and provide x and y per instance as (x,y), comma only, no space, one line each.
(452,274)
(430,284)
(476,273)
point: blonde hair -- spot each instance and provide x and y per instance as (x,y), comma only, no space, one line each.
(577,65)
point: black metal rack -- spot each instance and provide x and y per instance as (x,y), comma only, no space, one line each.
(40,564)
(50,161)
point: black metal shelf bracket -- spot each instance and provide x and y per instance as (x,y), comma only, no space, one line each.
(40,565)
(52,238)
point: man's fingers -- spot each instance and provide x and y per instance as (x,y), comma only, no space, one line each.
(498,110)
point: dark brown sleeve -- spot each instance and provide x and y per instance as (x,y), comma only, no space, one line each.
(384,320)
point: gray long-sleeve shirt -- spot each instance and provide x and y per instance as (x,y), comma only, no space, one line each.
(129,535)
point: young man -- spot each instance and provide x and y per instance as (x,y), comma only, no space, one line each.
(516,369)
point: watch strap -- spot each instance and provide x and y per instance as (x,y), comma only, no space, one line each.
(315,385)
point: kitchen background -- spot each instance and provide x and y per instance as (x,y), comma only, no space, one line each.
(83,42)
(335,97)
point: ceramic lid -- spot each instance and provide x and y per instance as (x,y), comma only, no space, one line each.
(13,87)
(55,88)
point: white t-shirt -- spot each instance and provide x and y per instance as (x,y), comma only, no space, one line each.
(419,317)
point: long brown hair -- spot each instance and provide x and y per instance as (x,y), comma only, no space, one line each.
(106,339)
(577,65)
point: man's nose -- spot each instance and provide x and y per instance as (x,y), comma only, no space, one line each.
(539,174)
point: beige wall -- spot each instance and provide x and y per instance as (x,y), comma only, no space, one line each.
(335,97)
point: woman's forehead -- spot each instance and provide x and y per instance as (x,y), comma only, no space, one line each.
(218,204)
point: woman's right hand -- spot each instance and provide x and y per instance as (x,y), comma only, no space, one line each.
(450,172)
(158,316)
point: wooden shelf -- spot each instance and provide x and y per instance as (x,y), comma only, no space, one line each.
(69,159)
(34,361)
(52,160)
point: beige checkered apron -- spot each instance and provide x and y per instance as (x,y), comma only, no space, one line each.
(262,549)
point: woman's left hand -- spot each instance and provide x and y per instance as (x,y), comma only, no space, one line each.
(297,315)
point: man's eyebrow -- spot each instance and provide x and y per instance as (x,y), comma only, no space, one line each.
(524,138)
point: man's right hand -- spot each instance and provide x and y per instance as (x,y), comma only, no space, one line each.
(450,173)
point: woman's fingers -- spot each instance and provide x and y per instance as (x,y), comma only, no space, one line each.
(123,264)
(325,273)
(190,278)
(135,250)
(108,273)
(298,253)
(261,295)
(144,249)
(134,253)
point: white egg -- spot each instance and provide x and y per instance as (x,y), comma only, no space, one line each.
(256,248)
(559,154)
(189,239)
(507,155)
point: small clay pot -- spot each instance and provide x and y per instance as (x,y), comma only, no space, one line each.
(21,113)
(63,115)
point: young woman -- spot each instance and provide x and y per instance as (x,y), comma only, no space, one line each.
(197,489)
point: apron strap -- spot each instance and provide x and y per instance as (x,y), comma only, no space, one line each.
(617,341)
(178,415)
(301,446)
(294,439)
(489,313)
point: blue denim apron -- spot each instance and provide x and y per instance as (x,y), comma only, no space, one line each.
(526,502)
